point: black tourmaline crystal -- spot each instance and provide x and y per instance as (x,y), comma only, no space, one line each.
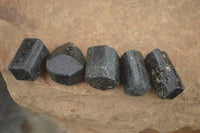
(163,75)
(29,59)
(66,64)
(102,67)
(134,76)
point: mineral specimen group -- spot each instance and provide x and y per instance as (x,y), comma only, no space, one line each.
(102,67)
(163,74)
(134,76)
(29,59)
(66,64)
(102,70)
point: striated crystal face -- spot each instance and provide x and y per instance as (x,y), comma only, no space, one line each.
(102,67)
(164,77)
(134,76)
(66,64)
(29,59)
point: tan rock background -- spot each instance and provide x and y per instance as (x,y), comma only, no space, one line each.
(171,25)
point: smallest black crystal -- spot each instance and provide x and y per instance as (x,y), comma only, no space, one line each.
(29,59)
(66,64)
(164,77)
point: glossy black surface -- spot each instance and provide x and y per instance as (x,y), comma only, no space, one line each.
(66,64)
(163,74)
(134,76)
(102,67)
(29,59)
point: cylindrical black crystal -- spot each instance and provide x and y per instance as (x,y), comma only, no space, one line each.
(66,64)
(134,76)
(29,59)
(102,67)
(164,77)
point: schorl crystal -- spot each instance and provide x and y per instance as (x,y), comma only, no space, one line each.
(29,59)
(66,64)
(102,67)
(134,76)
(163,75)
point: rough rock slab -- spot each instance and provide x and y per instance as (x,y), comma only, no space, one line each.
(16,119)
(143,25)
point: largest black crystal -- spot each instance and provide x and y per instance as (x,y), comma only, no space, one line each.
(164,77)
(29,59)
(102,67)
(134,76)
